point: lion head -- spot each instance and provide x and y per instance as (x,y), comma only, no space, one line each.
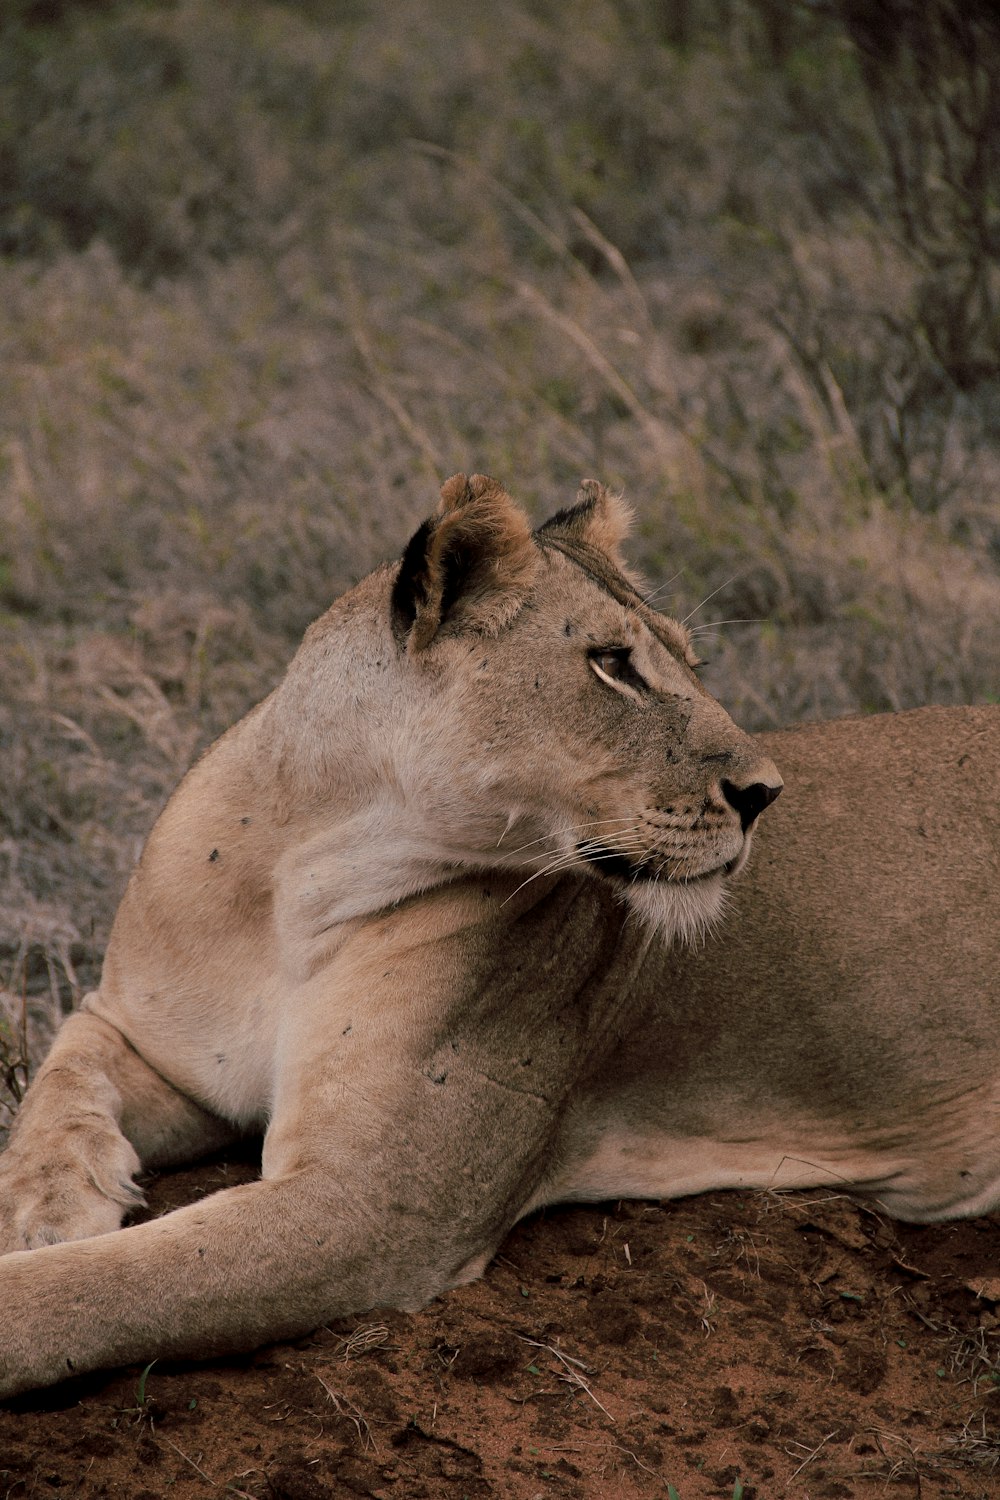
(504,698)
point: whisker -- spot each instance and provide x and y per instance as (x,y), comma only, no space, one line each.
(567,860)
(700,629)
(619,845)
(573,828)
(536,876)
(648,598)
(709,596)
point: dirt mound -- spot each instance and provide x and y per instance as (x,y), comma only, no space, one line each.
(723,1346)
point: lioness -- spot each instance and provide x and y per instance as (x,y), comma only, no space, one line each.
(416,919)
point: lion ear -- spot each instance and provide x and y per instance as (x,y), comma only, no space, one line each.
(599,518)
(468,567)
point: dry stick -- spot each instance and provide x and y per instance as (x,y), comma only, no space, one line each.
(213,1482)
(653,428)
(75,731)
(363,344)
(810,1456)
(573,1376)
(25,1068)
(600,363)
(512,381)
(548,236)
(636,1460)
(656,430)
(519,209)
(907,1465)
(352,1413)
(979,1446)
(616,261)
(372,1336)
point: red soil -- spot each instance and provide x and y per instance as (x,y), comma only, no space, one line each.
(725,1345)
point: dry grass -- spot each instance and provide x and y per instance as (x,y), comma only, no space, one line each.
(270,275)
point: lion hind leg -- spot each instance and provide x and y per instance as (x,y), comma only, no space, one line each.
(93,1116)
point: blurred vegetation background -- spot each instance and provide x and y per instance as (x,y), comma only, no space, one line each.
(269,272)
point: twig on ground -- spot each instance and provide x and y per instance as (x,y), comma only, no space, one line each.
(344,1407)
(570,1374)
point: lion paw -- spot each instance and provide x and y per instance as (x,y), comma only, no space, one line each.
(67,1187)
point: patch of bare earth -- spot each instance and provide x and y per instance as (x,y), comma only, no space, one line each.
(727,1344)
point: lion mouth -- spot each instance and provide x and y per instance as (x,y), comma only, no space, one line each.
(614,865)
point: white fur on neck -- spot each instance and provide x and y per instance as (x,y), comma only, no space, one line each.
(370,860)
(678,912)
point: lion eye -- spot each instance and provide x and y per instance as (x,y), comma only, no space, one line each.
(611,663)
(615,665)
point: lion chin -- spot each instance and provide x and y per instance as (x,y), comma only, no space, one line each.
(678,911)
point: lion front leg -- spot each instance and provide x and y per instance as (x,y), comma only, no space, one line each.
(387,1185)
(222,1275)
(267,1260)
(92,1117)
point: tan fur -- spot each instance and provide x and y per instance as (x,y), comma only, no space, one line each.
(367,924)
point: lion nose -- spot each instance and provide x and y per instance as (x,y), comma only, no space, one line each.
(750,801)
